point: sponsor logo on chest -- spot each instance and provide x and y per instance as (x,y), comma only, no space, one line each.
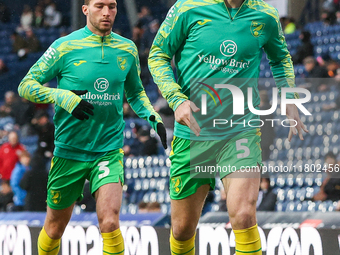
(101,85)
(225,61)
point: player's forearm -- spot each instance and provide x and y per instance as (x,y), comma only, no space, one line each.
(283,73)
(141,105)
(33,91)
(161,70)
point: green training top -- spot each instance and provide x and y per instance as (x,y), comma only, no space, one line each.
(215,44)
(105,66)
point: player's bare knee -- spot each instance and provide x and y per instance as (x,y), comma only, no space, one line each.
(243,218)
(108,223)
(55,231)
(183,232)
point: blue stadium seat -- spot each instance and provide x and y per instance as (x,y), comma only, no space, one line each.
(145,184)
(128,163)
(153,197)
(135,173)
(291,206)
(327,116)
(299,181)
(164,208)
(138,185)
(132,208)
(280,206)
(162,184)
(146,197)
(217,195)
(309,180)
(123,209)
(319,179)
(291,195)
(142,173)
(332,206)
(272,182)
(281,195)
(167,197)
(282,154)
(161,197)
(165,172)
(156,172)
(307,153)
(309,193)
(150,172)
(300,194)
(280,181)
(290,180)
(133,198)
(153,184)
(312,207)
(303,206)
(215,207)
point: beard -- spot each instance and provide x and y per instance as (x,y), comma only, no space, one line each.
(100,26)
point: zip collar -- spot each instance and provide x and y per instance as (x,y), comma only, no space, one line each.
(239,9)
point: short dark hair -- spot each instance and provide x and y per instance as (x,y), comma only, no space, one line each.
(86,2)
(330,155)
(154,206)
(142,205)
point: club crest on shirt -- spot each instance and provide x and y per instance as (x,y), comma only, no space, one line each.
(176,183)
(55,196)
(122,63)
(256,28)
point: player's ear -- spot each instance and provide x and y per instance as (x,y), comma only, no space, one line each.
(85,9)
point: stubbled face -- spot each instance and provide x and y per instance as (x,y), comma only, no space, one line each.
(100,16)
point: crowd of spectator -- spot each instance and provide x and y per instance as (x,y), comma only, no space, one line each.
(44,14)
(143,34)
(23,176)
(22,45)
(330,188)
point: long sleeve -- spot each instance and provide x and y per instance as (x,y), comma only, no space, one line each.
(169,38)
(46,68)
(279,58)
(136,96)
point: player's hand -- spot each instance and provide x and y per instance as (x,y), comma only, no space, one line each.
(183,115)
(83,108)
(293,114)
(160,131)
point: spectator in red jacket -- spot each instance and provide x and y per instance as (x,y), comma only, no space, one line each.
(9,155)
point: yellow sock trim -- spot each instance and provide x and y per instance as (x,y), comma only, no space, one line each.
(46,245)
(182,247)
(248,241)
(113,242)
